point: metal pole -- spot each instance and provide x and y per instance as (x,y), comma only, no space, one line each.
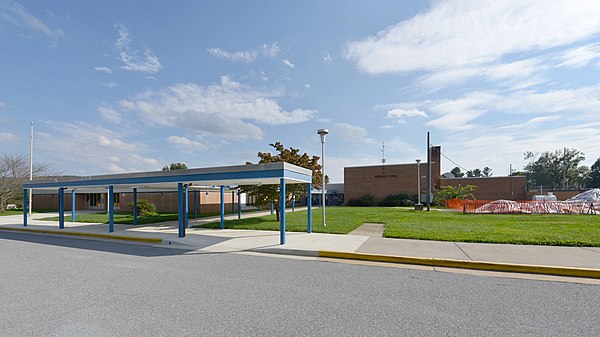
(428,174)
(419,181)
(30,164)
(323,185)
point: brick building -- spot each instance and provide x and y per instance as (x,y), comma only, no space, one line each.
(383,180)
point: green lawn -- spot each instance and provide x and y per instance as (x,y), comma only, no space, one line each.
(125,218)
(12,212)
(563,230)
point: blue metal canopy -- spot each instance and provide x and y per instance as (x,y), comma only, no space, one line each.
(178,180)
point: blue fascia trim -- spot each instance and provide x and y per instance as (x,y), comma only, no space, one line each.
(174,179)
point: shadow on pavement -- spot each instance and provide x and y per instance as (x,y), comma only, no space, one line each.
(88,244)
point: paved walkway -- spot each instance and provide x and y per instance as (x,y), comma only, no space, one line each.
(365,240)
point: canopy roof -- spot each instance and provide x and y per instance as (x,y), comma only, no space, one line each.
(255,174)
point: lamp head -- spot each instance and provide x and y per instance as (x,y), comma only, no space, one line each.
(322,133)
(418,161)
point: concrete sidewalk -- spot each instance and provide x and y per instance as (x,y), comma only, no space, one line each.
(551,260)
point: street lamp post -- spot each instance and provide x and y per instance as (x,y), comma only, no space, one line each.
(323,133)
(419,206)
(30,165)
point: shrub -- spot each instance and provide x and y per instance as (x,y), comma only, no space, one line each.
(365,200)
(145,207)
(400,199)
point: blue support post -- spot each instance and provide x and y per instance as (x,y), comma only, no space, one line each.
(25,200)
(61,208)
(195,204)
(309,206)
(239,205)
(180,210)
(187,206)
(222,207)
(272,207)
(282,211)
(232,202)
(73,206)
(135,210)
(293,202)
(111,209)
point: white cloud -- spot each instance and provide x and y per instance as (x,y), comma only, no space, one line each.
(228,109)
(2,104)
(16,14)
(387,126)
(134,60)
(401,114)
(307,86)
(580,56)
(109,114)
(463,33)
(83,145)
(353,133)
(236,56)
(185,144)
(153,163)
(109,84)
(105,70)
(327,57)
(246,56)
(7,137)
(288,63)
(270,50)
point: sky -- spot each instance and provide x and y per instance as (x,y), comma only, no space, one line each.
(122,86)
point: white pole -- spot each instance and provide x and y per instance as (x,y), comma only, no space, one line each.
(30,164)
(322,133)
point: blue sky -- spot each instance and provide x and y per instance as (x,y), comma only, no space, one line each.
(118,86)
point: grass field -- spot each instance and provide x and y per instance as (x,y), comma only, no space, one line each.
(12,212)
(562,230)
(125,218)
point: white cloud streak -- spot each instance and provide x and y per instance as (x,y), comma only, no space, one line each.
(16,14)
(288,63)
(105,70)
(460,33)
(228,109)
(134,60)
(353,133)
(246,56)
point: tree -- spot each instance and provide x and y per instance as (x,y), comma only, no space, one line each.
(486,172)
(265,194)
(553,169)
(14,170)
(474,173)
(175,166)
(457,172)
(456,192)
(594,181)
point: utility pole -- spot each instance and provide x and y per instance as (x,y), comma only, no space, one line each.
(428,174)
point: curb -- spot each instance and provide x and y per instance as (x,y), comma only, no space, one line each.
(477,265)
(83,234)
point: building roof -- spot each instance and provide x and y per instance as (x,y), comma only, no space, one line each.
(255,174)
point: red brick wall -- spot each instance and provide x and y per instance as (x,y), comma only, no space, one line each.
(493,188)
(383,180)
(165,201)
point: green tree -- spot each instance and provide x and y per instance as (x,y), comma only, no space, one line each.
(175,166)
(594,181)
(553,169)
(474,173)
(265,194)
(457,172)
(455,192)
(486,172)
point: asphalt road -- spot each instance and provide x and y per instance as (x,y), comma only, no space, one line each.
(52,286)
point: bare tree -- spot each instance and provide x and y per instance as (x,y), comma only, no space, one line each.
(14,170)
